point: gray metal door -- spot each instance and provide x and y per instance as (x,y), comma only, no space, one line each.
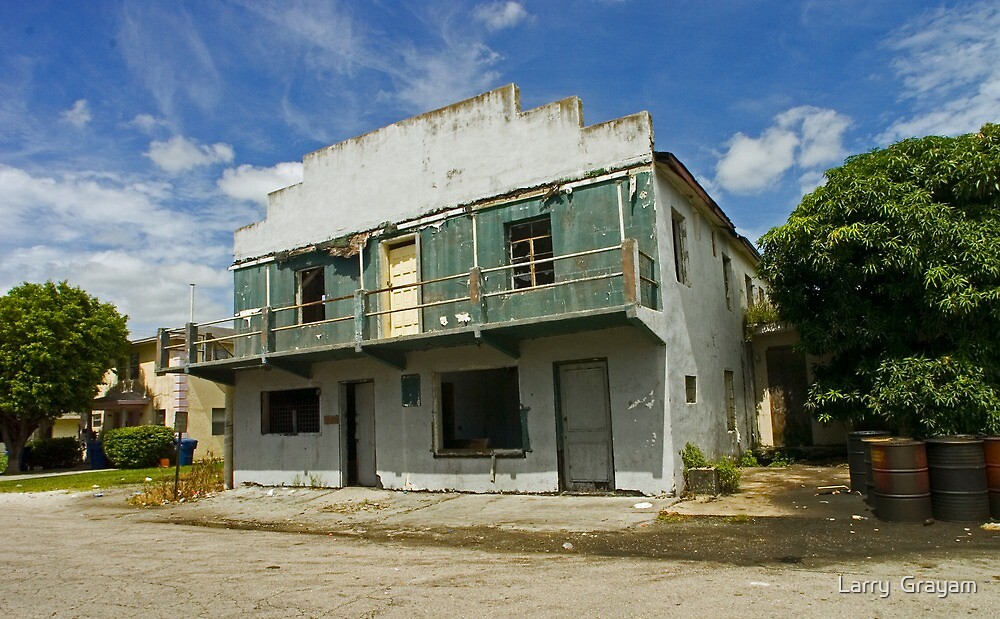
(585,423)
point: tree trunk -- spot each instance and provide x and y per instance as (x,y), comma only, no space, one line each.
(15,433)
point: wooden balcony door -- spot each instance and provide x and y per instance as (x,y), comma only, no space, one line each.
(402,270)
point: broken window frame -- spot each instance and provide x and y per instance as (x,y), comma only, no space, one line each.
(527,241)
(480,447)
(678,233)
(727,280)
(310,295)
(281,414)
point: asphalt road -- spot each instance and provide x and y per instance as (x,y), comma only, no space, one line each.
(78,556)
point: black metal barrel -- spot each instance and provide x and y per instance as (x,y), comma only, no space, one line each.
(991,449)
(856,456)
(957,467)
(902,486)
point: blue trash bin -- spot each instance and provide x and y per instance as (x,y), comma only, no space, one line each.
(188,445)
(95,455)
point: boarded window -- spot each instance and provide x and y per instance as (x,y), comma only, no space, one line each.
(218,421)
(410,384)
(480,410)
(294,411)
(679,233)
(531,250)
(310,295)
(690,389)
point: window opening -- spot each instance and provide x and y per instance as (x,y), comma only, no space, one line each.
(679,233)
(311,293)
(160,417)
(727,277)
(480,410)
(531,241)
(691,389)
(293,411)
(730,386)
(748,283)
(218,421)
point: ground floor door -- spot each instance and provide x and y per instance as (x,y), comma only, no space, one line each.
(586,460)
(359,431)
(787,385)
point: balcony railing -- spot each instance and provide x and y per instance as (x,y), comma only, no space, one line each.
(608,277)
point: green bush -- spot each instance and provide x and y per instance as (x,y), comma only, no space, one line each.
(748,460)
(3,461)
(138,446)
(692,457)
(55,453)
(729,475)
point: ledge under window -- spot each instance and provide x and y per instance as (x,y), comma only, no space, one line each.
(479,453)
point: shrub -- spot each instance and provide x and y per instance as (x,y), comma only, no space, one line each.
(692,457)
(3,460)
(138,446)
(204,479)
(729,475)
(55,453)
(748,460)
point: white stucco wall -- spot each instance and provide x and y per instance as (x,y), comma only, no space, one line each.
(404,458)
(481,147)
(703,337)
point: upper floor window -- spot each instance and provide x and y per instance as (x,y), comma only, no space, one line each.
(218,421)
(310,295)
(531,242)
(727,280)
(679,233)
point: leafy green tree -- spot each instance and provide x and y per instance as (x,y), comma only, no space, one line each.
(56,344)
(891,271)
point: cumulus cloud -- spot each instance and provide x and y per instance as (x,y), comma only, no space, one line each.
(947,60)
(250,183)
(179,154)
(78,115)
(147,122)
(126,241)
(805,137)
(500,15)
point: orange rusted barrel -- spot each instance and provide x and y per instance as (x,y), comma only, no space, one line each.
(957,467)
(869,472)
(902,485)
(991,449)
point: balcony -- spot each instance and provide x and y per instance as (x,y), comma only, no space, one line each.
(593,289)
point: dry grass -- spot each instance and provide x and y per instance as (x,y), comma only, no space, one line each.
(366,505)
(202,480)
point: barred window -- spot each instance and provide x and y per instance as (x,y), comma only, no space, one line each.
(295,411)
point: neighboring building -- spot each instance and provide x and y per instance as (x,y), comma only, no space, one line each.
(488,300)
(139,396)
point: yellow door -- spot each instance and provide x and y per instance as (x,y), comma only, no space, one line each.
(403,271)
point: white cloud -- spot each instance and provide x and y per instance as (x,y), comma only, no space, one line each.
(949,61)
(500,15)
(147,122)
(127,242)
(431,79)
(78,115)
(179,154)
(804,136)
(247,182)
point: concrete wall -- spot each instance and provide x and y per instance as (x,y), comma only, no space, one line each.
(703,337)
(404,435)
(481,147)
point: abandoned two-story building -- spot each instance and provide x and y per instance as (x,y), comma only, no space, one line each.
(488,299)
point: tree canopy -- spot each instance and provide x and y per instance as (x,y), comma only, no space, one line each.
(56,344)
(891,274)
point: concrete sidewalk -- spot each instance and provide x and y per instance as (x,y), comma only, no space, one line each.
(21,476)
(788,491)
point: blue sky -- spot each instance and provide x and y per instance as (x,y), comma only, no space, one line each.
(136,136)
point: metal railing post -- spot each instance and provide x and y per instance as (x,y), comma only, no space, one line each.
(631,279)
(476,299)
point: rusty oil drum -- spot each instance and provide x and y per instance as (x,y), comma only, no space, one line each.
(902,485)
(856,456)
(991,449)
(869,491)
(957,467)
